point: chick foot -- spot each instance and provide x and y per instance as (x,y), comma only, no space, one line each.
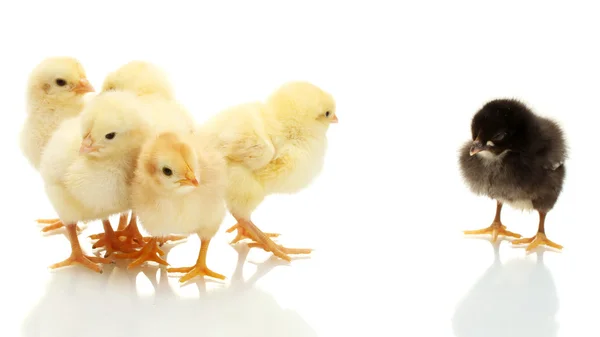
(262,240)
(113,243)
(496,229)
(125,239)
(539,239)
(200,269)
(77,255)
(164,239)
(242,234)
(150,252)
(53,224)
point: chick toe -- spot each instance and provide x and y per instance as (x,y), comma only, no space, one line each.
(77,255)
(539,239)
(150,252)
(53,224)
(242,234)
(496,229)
(200,269)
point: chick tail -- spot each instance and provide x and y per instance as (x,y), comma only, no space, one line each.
(495,229)
(150,252)
(539,239)
(200,269)
(262,240)
(77,255)
(53,224)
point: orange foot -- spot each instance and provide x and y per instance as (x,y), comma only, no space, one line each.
(125,239)
(53,224)
(200,269)
(164,239)
(77,255)
(150,252)
(539,239)
(496,229)
(262,240)
(243,234)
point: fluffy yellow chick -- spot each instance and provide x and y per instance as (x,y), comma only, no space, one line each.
(152,86)
(88,165)
(55,92)
(273,147)
(179,187)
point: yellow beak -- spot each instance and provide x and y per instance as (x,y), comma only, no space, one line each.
(87,145)
(334,119)
(190,179)
(83,87)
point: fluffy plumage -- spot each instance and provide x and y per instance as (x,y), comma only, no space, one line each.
(88,163)
(273,147)
(179,187)
(515,157)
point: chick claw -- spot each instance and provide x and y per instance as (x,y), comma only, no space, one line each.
(243,234)
(150,252)
(194,271)
(84,260)
(496,229)
(53,224)
(282,248)
(539,239)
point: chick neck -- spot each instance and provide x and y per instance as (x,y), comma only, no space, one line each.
(285,127)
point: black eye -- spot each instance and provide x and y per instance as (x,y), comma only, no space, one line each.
(167,171)
(110,135)
(327,114)
(60,82)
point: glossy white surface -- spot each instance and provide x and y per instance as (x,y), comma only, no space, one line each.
(386,214)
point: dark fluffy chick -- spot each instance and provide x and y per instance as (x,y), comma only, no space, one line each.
(516,158)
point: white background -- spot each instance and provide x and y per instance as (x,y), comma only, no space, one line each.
(387,212)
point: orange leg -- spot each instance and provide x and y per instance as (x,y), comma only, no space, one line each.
(261,240)
(539,239)
(496,228)
(150,252)
(77,255)
(125,240)
(241,234)
(114,244)
(200,269)
(53,224)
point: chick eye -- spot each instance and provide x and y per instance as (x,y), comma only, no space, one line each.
(110,135)
(60,82)
(499,136)
(167,171)
(327,114)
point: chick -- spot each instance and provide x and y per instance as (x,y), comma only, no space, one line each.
(273,147)
(155,91)
(55,92)
(517,158)
(88,165)
(179,187)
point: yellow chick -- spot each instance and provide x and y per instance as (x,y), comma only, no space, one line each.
(152,86)
(273,147)
(179,187)
(55,92)
(88,165)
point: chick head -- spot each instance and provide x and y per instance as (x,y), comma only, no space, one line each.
(305,103)
(112,124)
(500,125)
(59,79)
(171,164)
(140,77)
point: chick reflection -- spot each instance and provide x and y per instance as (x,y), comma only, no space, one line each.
(81,303)
(514,299)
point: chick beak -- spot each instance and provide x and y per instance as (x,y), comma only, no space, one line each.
(334,119)
(476,147)
(87,145)
(83,87)
(190,179)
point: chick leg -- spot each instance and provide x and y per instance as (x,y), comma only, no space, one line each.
(200,269)
(53,224)
(112,241)
(496,229)
(539,239)
(150,252)
(262,240)
(77,255)
(125,240)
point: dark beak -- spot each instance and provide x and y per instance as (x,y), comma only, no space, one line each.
(477,147)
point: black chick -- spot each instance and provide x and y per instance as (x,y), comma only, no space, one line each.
(516,158)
